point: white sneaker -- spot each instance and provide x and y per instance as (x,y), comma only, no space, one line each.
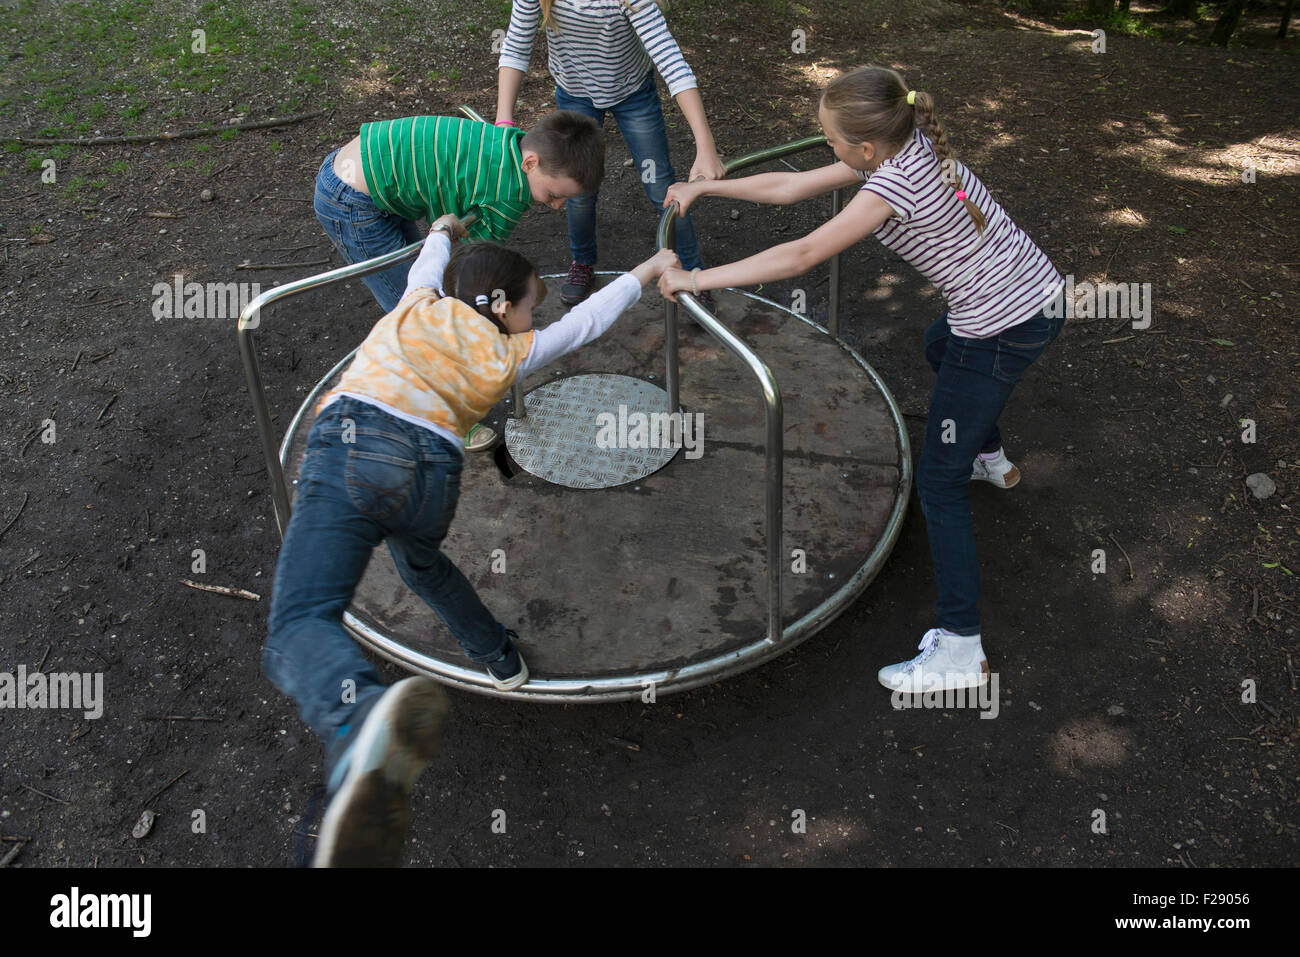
(945,662)
(998,471)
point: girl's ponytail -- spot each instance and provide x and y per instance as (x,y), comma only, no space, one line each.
(873,105)
(932,128)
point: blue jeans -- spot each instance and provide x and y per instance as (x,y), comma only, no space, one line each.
(975,379)
(366,477)
(641,119)
(360,230)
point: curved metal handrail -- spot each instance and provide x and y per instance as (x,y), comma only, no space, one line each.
(774,447)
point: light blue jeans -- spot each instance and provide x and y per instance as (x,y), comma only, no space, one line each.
(640,118)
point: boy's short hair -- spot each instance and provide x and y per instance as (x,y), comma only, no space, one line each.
(569,144)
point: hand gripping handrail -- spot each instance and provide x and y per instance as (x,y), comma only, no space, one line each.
(774,447)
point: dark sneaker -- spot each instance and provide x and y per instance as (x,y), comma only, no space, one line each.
(372,772)
(708,302)
(509,671)
(578,284)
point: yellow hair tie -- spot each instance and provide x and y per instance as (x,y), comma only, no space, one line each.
(911,97)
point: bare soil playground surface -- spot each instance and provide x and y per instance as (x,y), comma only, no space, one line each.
(1161,692)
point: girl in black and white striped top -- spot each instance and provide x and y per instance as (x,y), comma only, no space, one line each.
(600,54)
(1003,310)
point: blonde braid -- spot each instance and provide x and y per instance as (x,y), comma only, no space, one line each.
(931,127)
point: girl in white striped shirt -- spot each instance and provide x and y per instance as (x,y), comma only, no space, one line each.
(935,213)
(600,53)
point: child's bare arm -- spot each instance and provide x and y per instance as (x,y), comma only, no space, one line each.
(708,164)
(777,189)
(859,219)
(516,51)
(508,82)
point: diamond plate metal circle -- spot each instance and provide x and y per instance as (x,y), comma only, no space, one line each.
(557,440)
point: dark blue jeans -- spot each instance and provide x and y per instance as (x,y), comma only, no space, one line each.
(393,481)
(640,118)
(360,230)
(975,380)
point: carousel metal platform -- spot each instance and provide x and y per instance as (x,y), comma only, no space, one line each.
(629,552)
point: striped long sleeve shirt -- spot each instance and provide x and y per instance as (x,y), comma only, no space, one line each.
(991,282)
(600,49)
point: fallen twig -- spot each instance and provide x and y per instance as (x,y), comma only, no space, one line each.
(13,852)
(179,717)
(164,215)
(1126,558)
(41,666)
(111,400)
(247,265)
(28,444)
(15,518)
(223,590)
(1106,269)
(149,800)
(290,249)
(43,794)
(84,305)
(151,137)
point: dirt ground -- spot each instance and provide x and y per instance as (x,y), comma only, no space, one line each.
(1121,692)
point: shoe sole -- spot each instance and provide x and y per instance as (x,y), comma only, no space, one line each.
(984,679)
(483,445)
(368,820)
(1010,480)
(510,684)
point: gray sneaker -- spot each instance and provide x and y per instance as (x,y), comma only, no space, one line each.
(578,284)
(374,773)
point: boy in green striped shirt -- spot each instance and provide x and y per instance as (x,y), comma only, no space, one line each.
(371,192)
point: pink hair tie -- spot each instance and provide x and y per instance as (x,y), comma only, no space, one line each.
(961,195)
(503,123)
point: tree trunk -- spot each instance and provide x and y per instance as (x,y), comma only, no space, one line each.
(1286,21)
(1123,5)
(1227,23)
(1181,8)
(1099,8)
